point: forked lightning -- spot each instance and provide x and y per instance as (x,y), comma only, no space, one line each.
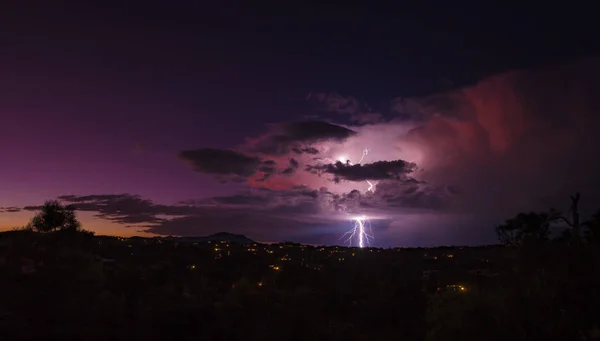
(361,232)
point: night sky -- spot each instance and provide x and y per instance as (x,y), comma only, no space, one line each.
(174,118)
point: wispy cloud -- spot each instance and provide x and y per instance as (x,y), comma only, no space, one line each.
(10,209)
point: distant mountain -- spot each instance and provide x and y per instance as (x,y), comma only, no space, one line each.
(217,237)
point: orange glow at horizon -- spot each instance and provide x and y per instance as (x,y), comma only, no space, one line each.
(10,221)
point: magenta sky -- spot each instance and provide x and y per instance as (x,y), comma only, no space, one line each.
(187,121)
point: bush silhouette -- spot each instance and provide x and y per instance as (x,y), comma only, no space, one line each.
(54,216)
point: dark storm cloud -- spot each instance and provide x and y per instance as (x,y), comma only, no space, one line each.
(235,166)
(123,208)
(297,137)
(391,195)
(307,150)
(380,170)
(413,195)
(227,163)
(292,167)
(9,209)
(221,162)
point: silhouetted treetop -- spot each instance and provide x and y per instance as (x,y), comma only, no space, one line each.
(54,216)
(526,227)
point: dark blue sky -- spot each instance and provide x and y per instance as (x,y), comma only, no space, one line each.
(270,56)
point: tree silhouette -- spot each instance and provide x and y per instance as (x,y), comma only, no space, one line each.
(592,228)
(526,228)
(54,216)
(536,226)
(574,223)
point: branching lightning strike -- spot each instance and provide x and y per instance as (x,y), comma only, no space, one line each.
(361,232)
(370,189)
(343,159)
(365,152)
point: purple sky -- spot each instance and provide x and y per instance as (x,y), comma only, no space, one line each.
(117,109)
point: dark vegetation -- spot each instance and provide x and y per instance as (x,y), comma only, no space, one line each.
(59,282)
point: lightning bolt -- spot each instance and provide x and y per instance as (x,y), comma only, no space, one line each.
(370,186)
(361,232)
(365,152)
(343,159)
